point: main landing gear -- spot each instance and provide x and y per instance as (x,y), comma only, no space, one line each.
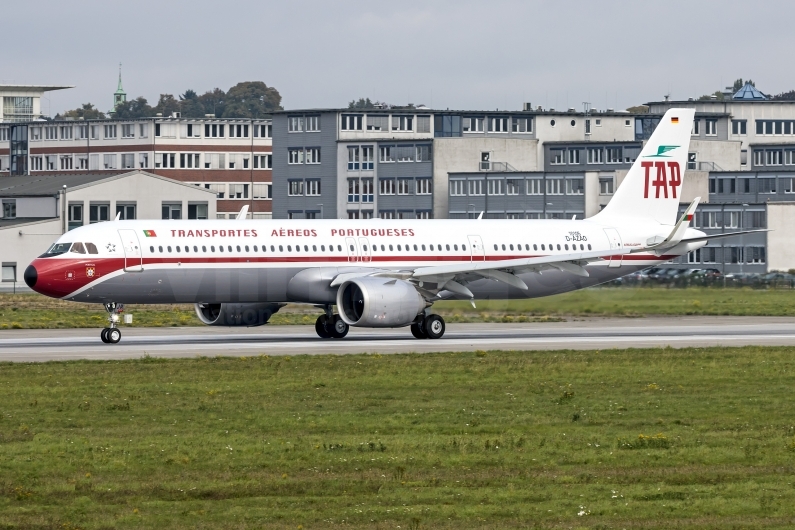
(112,334)
(428,327)
(330,326)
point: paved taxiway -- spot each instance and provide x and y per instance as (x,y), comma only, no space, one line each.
(49,345)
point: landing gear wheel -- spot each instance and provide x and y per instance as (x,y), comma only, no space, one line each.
(104,335)
(433,326)
(418,331)
(113,335)
(338,328)
(320,327)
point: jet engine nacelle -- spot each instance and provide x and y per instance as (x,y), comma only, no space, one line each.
(236,314)
(379,302)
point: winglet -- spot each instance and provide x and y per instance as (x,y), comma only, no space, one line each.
(480,216)
(243,212)
(118,216)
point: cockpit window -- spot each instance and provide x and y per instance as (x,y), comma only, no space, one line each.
(58,249)
(78,248)
(92,248)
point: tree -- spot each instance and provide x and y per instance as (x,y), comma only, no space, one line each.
(213,102)
(166,105)
(190,105)
(251,99)
(86,112)
(785,96)
(363,103)
(134,108)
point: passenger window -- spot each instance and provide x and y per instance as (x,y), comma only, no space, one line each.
(152,250)
(168,248)
(558,246)
(78,248)
(273,249)
(431,248)
(455,247)
(246,248)
(503,246)
(195,248)
(187,248)
(351,248)
(322,248)
(415,247)
(255,248)
(589,246)
(212,248)
(390,248)
(289,248)
(398,247)
(297,248)
(512,246)
(535,247)
(314,248)
(281,249)
(423,247)
(448,247)
(463,247)
(220,248)
(204,249)
(582,247)
(542,247)
(339,248)
(229,247)
(92,248)
(383,248)
(160,249)
(306,248)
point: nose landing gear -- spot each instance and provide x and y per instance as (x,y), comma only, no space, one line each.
(112,334)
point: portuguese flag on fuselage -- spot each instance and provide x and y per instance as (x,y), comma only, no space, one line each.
(150,233)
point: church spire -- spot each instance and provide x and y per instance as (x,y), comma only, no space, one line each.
(120,96)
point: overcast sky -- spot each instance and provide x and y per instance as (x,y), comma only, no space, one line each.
(446,54)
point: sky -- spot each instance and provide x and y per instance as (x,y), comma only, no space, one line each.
(478,55)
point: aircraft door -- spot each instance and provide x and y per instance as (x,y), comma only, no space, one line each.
(364,249)
(476,247)
(133,257)
(350,245)
(615,243)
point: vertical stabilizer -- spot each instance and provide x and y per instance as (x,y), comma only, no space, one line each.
(651,191)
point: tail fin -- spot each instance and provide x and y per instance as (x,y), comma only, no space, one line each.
(652,188)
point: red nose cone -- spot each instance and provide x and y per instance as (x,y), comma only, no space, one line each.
(51,277)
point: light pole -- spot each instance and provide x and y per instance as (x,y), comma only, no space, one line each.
(321,210)
(473,211)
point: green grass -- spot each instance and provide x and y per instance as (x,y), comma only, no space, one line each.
(36,311)
(656,438)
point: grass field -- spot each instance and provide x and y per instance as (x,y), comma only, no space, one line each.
(697,438)
(36,311)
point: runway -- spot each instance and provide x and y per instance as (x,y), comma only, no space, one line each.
(596,333)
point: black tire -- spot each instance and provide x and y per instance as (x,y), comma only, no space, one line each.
(434,326)
(320,327)
(417,331)
(339,328)
(114,335)
(104,335)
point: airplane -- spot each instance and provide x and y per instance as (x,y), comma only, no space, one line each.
(377,273)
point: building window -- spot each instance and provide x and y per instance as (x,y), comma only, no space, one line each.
(732,219)
(575,186)
(110,132)
(313,187)
(424,214)
(238,130)
(109,161)
(512,186)
(759,157)
(128,161)
(295,188)
(773,157)
(522,125)
(66,132)
(476,187)
(125,212)
(556,156)
(82,162)
(535,187)
(404,186)
(605,185)
(262,131)
(313,155)
(197,211)
(367,190)
(377,123)
(711,127)
(9,272)
(238,191)
(98,213)
(755,254)
(353,158)
(367,158)
(386,214)
(694,130)
(473,125)
(295,124)
(189,160)
(263,190)
(692,160)
(351,122)
(82,132)
(166,160)
(75,216)
(354,194)
(423,153)
(386,154)
(263,162)
(143,160)
(295,156)
(35,134)
(404,153)
(51,133)
(424,186)
(128,130)
(709,255)
(36,163)
(312,123)
(403,123)
(766,185)
(457,188)
(95,132)
(613,155)
(386,186)
(171,211)
(726,185)
(573,156)
(494,186)
(353,214)
(555,186)
(143,130)
(498,125)
(595,155)
(423,124)
(66,162)
(9,209)
(739,127)
(713,220)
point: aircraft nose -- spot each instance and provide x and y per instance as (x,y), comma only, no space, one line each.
(31,276)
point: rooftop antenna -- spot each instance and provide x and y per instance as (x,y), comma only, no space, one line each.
(586,107)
